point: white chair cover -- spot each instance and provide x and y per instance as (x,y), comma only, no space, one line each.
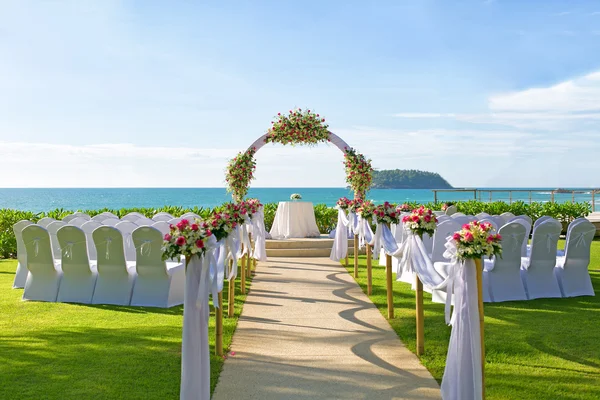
(440,237)
(538,270)
(44,275)
(527,226)
(143,221)
(52,228)
(126,228)
(109,214)
(77,221)
(572,269)
(162,217)
(482,215)
(132,217)
(44,222)
(163,226)
(79,280)
(451,210)
(507,216)
(83,215)
(112,221)
(541,220)
(69,218)
(190,216)
(502,276)
(490,221)
(88,228)
(115,278)
(158,283)
(22,271)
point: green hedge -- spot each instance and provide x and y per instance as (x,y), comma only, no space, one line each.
(326,217)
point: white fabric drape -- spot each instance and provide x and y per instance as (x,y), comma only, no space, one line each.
(340,242)
(365,233)
(383,238)
(294,219)
(260,235)
(463,375)
(195,356)
(416,260)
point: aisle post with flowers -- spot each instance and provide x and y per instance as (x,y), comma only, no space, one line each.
(421,221)
(386,214)
(343,204)
(365,211)
(354,206)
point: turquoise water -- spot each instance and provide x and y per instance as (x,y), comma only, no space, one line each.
(88,199)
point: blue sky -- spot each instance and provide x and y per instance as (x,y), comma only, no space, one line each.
(150,93)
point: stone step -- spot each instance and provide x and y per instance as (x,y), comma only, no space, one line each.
(306,252)
(303,244)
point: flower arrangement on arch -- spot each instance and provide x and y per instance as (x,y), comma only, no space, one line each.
(343,203)
(187,239)
(476,240)
(386,213)
(366,210)
(240,172)
(296,196)
(359,172)
(298,127)
(421,220)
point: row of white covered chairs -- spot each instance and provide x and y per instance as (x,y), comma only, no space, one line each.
(516,275)
(108,279)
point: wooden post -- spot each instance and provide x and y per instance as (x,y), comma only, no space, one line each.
(356,256)
(573,197)
(369,271)
(231,298)
(390,293)
(248,262)
(420,317)
(479,271)
(243,271)
(219,327)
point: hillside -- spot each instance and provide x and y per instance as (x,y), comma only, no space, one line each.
(408,179)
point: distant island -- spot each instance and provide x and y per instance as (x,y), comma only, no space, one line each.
(408,179)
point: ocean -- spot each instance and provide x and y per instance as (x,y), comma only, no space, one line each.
(88,199)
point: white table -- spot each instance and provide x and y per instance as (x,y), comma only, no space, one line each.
(294,219)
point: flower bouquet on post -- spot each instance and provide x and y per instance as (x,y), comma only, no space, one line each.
(386,214)
(343,203)
(477,240)
(188,240)
(404,208)
(420,221)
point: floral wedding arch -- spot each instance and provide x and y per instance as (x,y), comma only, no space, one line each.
(303,128)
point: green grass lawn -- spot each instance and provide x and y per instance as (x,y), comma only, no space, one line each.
(535,350)
(73,351)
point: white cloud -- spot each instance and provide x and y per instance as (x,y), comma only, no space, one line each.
(424,115)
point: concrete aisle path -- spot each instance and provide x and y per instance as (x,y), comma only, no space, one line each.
(308,331)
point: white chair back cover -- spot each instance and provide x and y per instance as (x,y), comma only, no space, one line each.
(440,237)
(143,221)
(461,219)
(52,228)
(156,286)
(507,216)
(126,228)
(44,222)
(498,220)
(572,271)
(88,228)
(21,274)
(109,214)
(190,216)
(43,279)
(175,221)
(482,215)
(538,274)
(525,217)
(573,223)
(111,221)
(78,281)
(504,279)
(457,214)
(443,218)
(451,210)
(115,281)
(69,218)
(527,226)
(83,215)
(162,216)
(77,221)
(162,226)
(541,220)
(132,217)
(100,218)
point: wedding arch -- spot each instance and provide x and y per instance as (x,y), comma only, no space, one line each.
(298,127)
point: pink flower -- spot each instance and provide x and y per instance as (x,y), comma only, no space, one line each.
(466,227)
(199,244)
(168,237)
(195,227)
(405,219)
(215,223)
(498,236)
(468,237)
(490,238)
(427,218)
(182,224)
(456,236)
(180,241)
(415,218)
(208,233)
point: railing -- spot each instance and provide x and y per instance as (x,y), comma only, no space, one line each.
(527,195)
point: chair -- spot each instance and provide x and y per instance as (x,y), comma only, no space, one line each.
(502,275)
(22,271)
(541,220)
(79,214)
(461,219)
(101,218)
(525,217)
(507,216)
(78,221)
(126,228)
(451,210)
(175,221)
(69,218)
(440,237)
(537,271)
(527,226)
(78,280)
(500,222)
(52,228)
(143,221)
(457,214)
(132,217)
(491,222)
(190,216)
(111,222)
(162,226)
(158,283)
(162,216)
(115,277)
(443,218)
(109,214)
(44,276)
(576,221)
(572,270)
(482,215)
(88,228)
(44,222)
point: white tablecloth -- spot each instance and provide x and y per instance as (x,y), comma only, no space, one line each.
(294,219)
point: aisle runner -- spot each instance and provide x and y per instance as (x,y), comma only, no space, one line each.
(307,331)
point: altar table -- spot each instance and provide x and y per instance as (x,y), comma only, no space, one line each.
(294,219)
